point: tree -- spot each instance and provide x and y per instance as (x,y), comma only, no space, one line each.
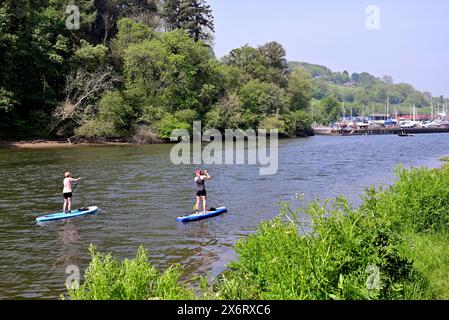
(34,49)
(173,72)
(82,86)
(355,77)
(331,108)
(194,16)
(300,90)
(129,33)
(226,114)
(275,56)
(263,98)
(276,63)
(265,63)
(250,60)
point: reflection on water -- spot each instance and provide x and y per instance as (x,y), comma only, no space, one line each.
(141,193)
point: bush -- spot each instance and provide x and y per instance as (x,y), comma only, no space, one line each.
(263,98)
(274,123)
(226,114)
(168,123)
(298,123)
(418,202)
(393,247)
(328,261)
(96,129)
(136,279)
(112,108)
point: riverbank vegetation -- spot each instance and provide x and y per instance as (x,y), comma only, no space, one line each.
(394,246)
(136,70)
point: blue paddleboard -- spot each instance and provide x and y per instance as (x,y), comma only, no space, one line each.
(73,214)
(201,216)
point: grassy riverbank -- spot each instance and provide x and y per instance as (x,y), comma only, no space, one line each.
(394,246)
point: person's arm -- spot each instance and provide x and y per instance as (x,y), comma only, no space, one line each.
(206,175)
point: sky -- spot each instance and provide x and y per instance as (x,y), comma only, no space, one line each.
(408,40)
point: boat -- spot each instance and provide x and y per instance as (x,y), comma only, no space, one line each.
(62,216)
(200,216)
(403,134)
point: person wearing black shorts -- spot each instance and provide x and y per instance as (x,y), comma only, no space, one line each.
(67,192)
(201,193)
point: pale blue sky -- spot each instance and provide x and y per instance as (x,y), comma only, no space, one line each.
(412,44)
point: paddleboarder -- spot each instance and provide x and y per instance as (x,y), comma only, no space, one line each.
(68,191)
(200,177)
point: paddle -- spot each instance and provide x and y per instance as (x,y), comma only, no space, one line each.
(76,184)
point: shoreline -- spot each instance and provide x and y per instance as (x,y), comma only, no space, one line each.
(56,144)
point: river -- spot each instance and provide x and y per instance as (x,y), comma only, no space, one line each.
(140,193)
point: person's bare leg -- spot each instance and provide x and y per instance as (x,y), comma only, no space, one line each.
(69,204)
(64,208)
(197,205)
(205,204)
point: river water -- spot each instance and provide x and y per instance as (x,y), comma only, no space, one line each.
(140,193)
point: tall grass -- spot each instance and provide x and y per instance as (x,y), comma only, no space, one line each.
(394,246)
(108,279)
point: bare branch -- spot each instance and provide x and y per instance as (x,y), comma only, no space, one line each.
(80,86)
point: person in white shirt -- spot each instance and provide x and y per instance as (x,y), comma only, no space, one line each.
(68,191)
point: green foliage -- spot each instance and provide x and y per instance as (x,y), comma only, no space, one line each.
(168,123)
(331,108)
(420,198)
(136,279)
(263,98)
(130,33)
(114,109)
(91,57)
(53,80)
(300,90)
(173,71)
(298,123)
(325,251)
(97,129)
(194,16)
(226,114)
(274,123)
(362,92)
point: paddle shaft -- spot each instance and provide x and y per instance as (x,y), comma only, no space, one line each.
(76,184)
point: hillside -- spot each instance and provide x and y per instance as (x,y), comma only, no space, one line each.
(365,93)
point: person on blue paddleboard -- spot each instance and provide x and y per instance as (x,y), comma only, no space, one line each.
(200,177)
(67,192)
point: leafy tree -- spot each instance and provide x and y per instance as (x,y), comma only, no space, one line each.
(109,12)
(298,123)
(248,59)
(263,98)
(367,80)
(355,77)
(173,72)
(274,123)
(416,98)
(276,62)
(226,114)
(331,108)
(274,54)
(90,57)
(113,108)
(130,32)
(300,90)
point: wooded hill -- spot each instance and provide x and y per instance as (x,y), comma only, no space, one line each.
(138,69)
